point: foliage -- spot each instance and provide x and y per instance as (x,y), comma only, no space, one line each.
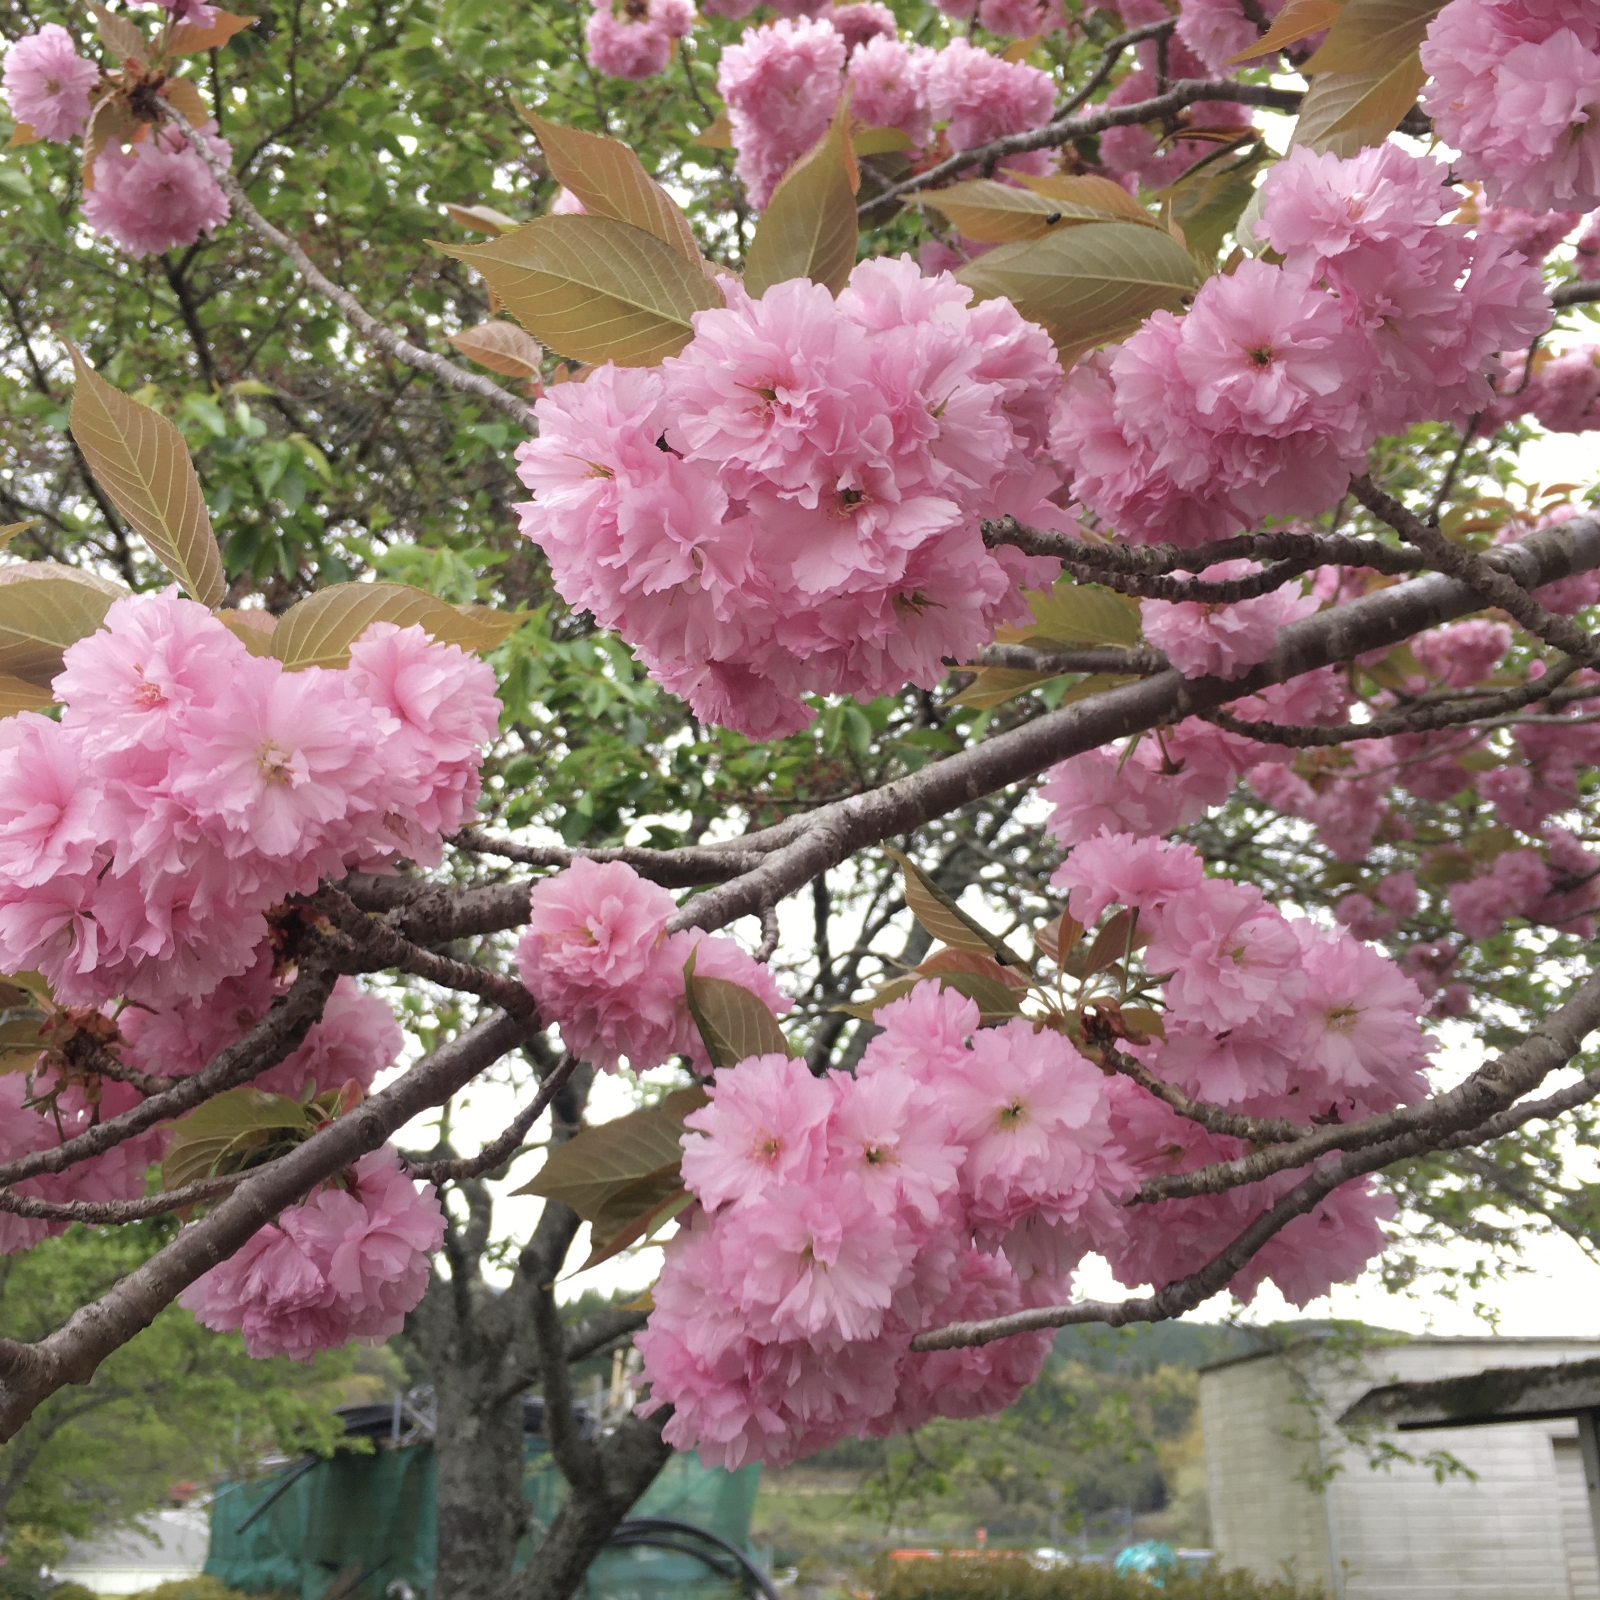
(1001,1578)
(174,1403)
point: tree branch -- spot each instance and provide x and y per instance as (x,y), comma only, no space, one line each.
(348,307)
(31,1372)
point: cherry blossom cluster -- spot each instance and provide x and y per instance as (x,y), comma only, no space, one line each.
(597,957)
(190,786)
(155,195)
(965,1171)
(793,504)
(1262,399)
(348,1263)
(1515,86)
(783,83)
(637,41)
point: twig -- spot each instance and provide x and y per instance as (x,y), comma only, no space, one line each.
(684,868)
(351,309)
(107,1211)
(501,1149)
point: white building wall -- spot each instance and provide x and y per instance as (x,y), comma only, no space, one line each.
(1394,1533)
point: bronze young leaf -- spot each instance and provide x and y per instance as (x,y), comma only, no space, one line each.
(611,182)
(944,919)
(810,228)
(734,1024)
(598,1164)
(319,630)
(594,289)
(139,458)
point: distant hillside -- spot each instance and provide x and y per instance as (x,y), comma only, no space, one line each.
(1146,1346)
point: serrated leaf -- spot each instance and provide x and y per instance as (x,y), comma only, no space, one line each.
(1208,201)
(944,919)
(946,959)
(189,39)
(319,630)
(184,94)
(17,694)
(1111,944)
(39,618)
(502,347)
(1344,112)
(1142,1021)
(1059,937)
(1087,285)
(631,1213)
(110,122)
(21,1043)
(717,136)
(139,458)
(993,686)
(810,228)
(225,1133)
(1076,614)
(253,629)
(734,1023)
(996,1001)
(120,37)
(594,289)
(601,1162)
(879,141)
(1371,35)
(996,213)
(1298,20)
(482,219)
(611,182)
(1094,194)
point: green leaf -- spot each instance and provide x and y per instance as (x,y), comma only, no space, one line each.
(611,182)
(600,1163)
(996,213)
(319,630)
(1344,112)
(1075,614)
(996,1001)
(228,1132)
(39,618)
(879,141)
(1209,199)
(944,919)
(139,458)
(1298,20)
(993,686)
(594,289)
(809,229)
(502,347)
(253,629)
(1369,36)
(734,1024)
(1087,285)
(648,1203)
(1093,194)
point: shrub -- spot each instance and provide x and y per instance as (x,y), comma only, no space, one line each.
(1001,1578)
(203,1587)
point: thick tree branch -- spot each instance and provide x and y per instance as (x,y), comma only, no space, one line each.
(1559,1035)
(31,1372)
(270,1041)
(1023,658)
(1063,130)
(1574,294)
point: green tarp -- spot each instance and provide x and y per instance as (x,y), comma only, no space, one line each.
(350,1527)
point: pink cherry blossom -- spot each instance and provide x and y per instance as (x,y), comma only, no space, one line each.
(1128,869)
(1463,653)
(981,97)
(857,24)
(160,195)
(47,83)
(1222,640)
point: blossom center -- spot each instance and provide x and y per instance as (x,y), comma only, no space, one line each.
(275,763)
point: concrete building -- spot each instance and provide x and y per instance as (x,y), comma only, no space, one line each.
(1385,1515)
